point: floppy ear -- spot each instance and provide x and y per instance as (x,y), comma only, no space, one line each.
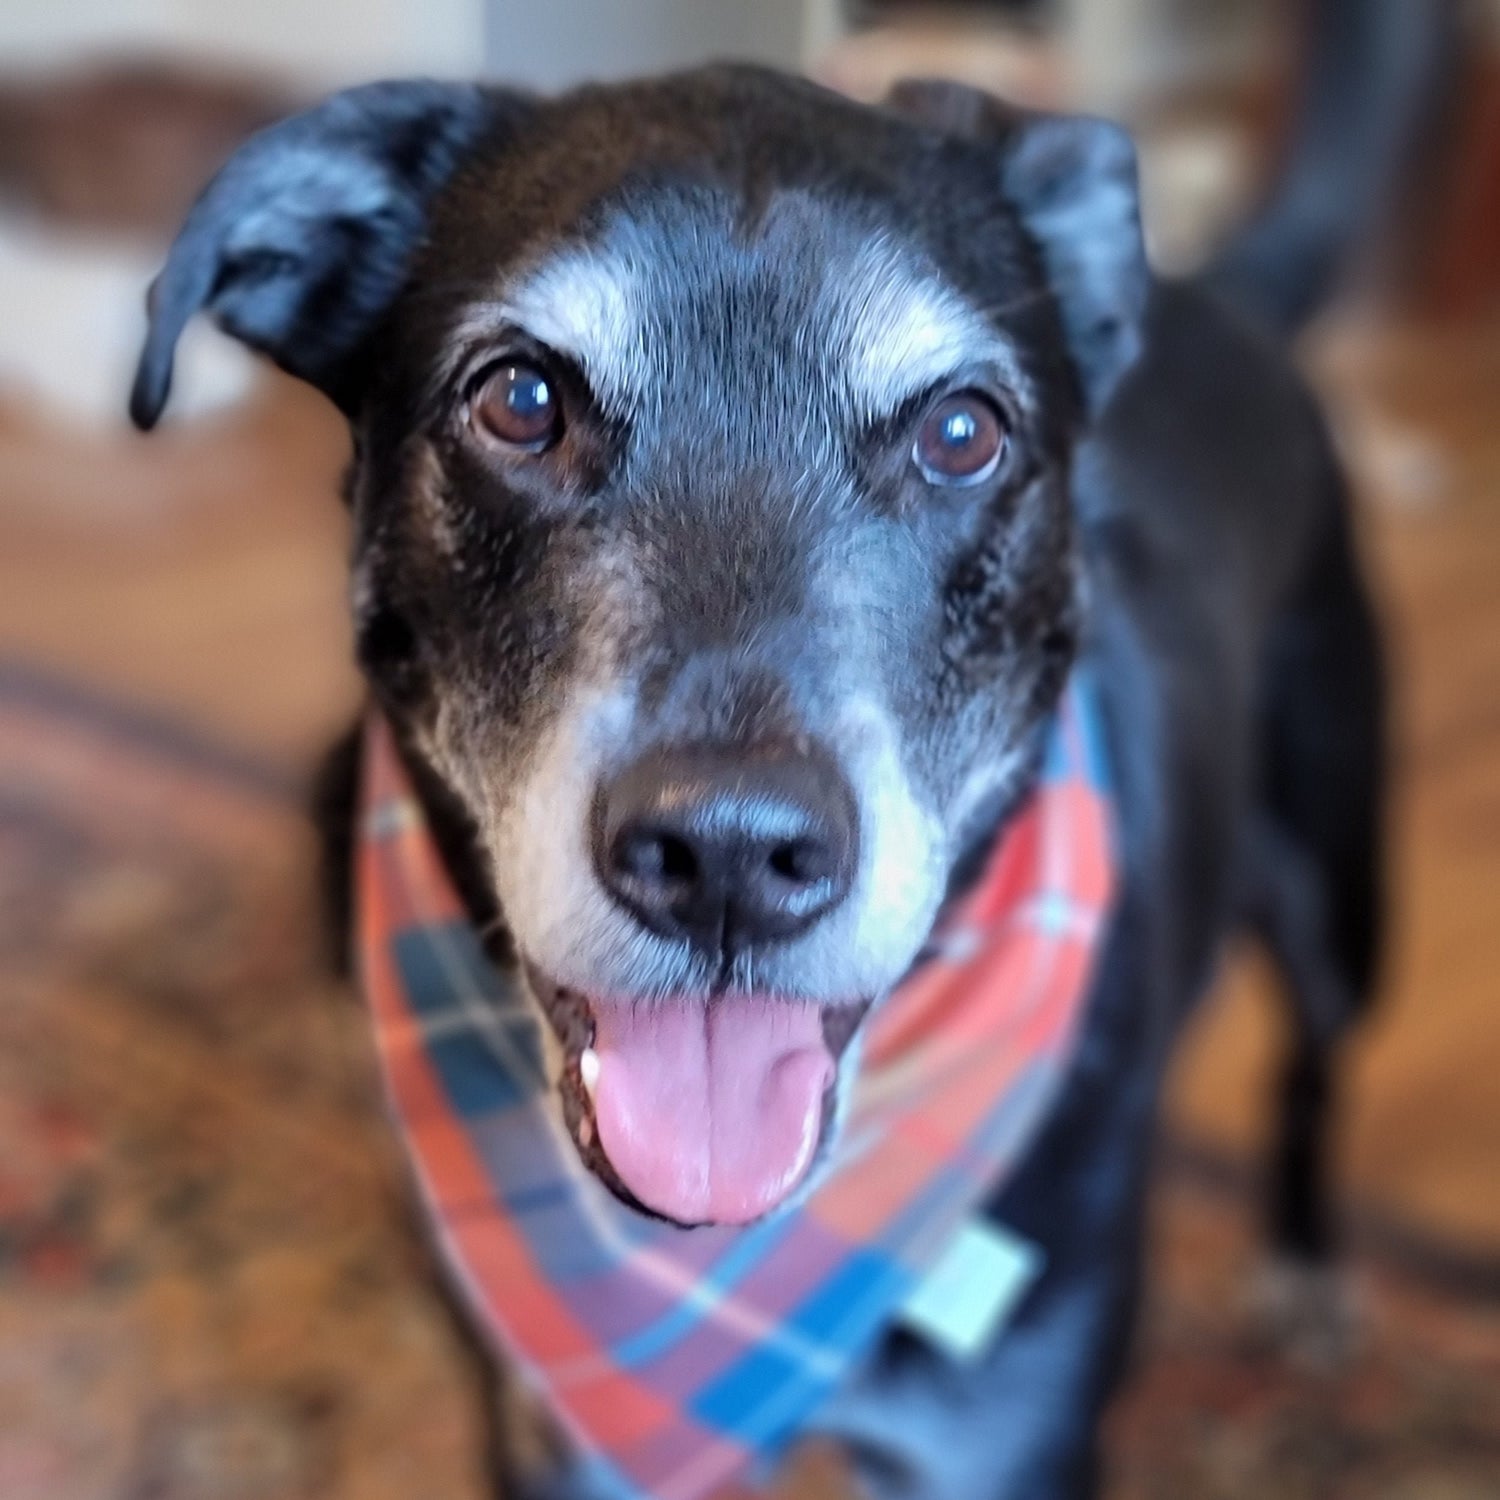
(304,236)
(1073,182)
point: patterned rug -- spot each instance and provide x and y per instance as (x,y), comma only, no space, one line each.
(210,1288)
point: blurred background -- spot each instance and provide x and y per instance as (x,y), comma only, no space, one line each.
(209,1286)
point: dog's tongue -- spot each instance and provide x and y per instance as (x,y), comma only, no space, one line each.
(710,1112)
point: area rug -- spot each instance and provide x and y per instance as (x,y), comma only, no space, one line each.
(210,1285)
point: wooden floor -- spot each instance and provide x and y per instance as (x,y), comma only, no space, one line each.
(200,573)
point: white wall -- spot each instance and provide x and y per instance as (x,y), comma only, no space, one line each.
(553,43)
(319,42)
(322,43)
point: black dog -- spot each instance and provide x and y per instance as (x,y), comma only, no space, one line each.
(738,474)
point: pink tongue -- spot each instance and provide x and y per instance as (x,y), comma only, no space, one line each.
(710,1112)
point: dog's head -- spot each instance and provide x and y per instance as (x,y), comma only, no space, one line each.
(713,533)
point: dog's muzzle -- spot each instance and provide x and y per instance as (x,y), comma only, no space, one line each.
(713,1109)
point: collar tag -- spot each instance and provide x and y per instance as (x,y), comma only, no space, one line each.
(972,1289)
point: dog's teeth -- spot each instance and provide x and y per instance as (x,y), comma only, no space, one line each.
(588,1070)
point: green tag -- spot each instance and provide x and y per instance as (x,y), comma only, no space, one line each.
(972,1289)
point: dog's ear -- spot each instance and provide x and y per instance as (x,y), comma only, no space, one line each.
(303,238)
(1073,182)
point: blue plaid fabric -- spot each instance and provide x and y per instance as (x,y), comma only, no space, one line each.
(681,1362)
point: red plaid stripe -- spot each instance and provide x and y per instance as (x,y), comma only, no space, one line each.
(678,1359)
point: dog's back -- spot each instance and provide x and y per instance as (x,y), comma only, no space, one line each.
(1229,577)
(1222,459)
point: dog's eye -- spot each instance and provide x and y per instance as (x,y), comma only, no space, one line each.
(961,440)
(518,405)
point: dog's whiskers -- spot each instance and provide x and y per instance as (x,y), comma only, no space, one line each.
(1020,303)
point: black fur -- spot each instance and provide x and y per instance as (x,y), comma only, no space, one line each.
(1171,509)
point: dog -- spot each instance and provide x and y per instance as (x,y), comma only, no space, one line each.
(739,472)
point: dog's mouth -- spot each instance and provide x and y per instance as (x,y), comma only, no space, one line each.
(699,1111)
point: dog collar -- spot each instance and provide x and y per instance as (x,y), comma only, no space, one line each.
(681,1361)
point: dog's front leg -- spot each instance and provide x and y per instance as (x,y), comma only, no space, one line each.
(1021,1422)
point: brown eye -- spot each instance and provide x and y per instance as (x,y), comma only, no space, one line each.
(518,405)
(961,440)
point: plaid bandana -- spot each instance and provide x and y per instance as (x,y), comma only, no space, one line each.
(680,1361)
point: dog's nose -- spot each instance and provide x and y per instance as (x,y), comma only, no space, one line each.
(728,848)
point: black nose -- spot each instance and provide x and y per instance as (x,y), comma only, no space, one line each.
(728,848)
